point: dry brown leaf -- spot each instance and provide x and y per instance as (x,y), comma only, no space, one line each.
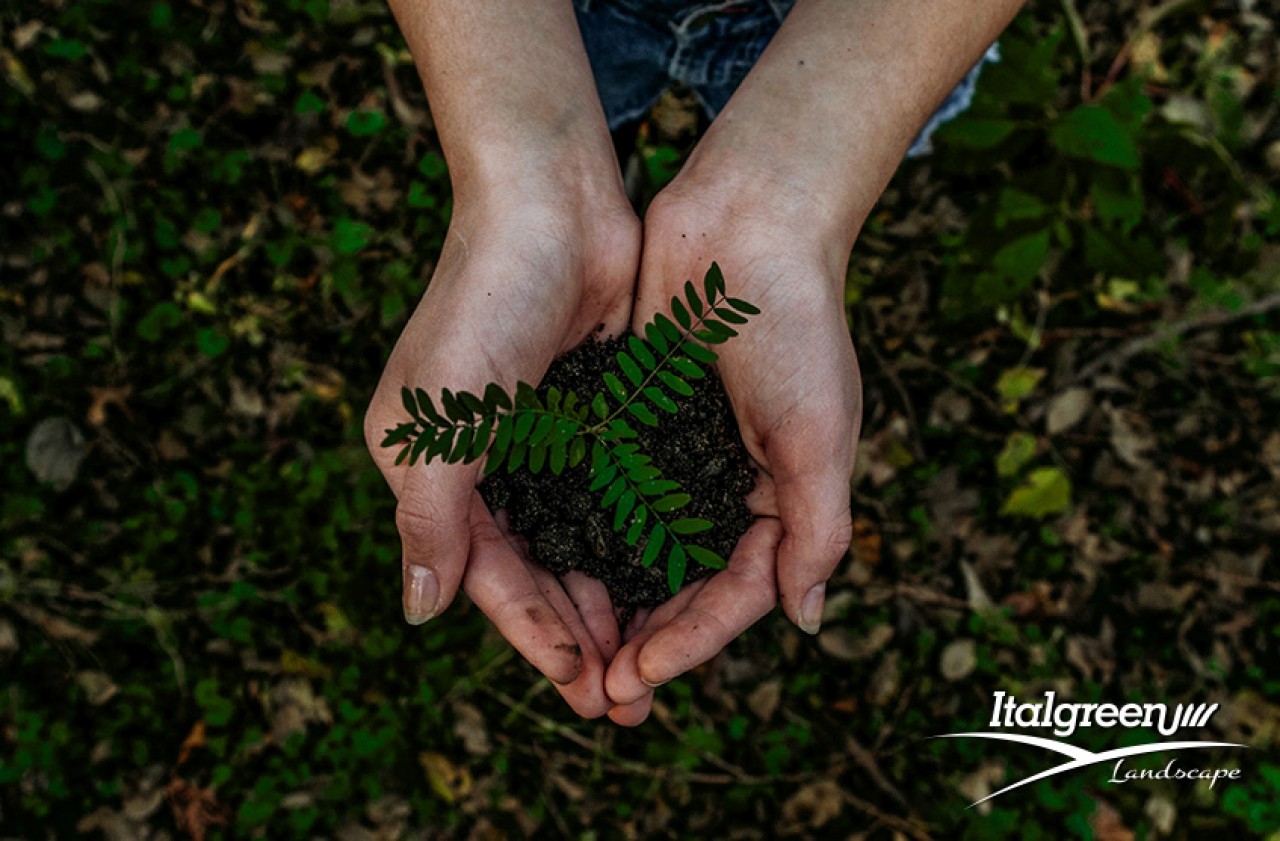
(195,739)
(812,807)
(959,659)
(764,699)
(1107,824)
(451,782)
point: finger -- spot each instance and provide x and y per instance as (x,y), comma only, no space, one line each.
(630,715)
(686,632)
(504,589)
(813,503)
(433,517)
(585,694)
(591,599)
(622,681)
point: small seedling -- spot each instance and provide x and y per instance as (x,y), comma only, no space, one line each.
(558,431)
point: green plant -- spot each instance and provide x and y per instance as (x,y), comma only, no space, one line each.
(557,431)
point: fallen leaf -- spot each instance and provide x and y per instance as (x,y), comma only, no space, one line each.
(97,686)
(764,699)
(1046,491)
(55,450)
(195,739)
(104,397)
(959,659)
(812,807)
(1067,409)
(1107,824)
(451,782)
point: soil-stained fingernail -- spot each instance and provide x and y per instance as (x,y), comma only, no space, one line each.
(811,609)
(421,592)
(654,685)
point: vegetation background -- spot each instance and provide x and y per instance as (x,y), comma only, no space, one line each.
(216,217)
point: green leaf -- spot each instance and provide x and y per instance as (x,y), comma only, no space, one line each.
(975,132)
(462,445)
(621,429)
(670,503)
(1019,449)
(691,525)
(699,353)
(441,445)
(1017,383)
(642,473)
(668,328)
(660,399)
(744,307)
(349,236)
(400,433)
(502,438)
(713,282)
(473,403)
(428,408)
(526,396)
(212,343)
(642,414)
(406,396)
(629,368)
(676,384)
(559,454)
(626,503)
(454,409)
(691,296)
(524,425)
(729,315)
(656,337)
(637,526)
(516,457)
(641,352)
(688,367)
(1046,491)
(603,476)
(404,454)
(676,563)
(615,386)
(600,406)
(681,314)
(615,490)
(365,123)
(541,430)
(654,545)
(658,486)
(480,439)
(537,458)
(420,446)
(706,557)
(1021,260)
(553,399)
(1093,133)
(577,451)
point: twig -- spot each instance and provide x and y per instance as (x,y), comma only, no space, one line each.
(907,827)
(1138,345)
(917,448)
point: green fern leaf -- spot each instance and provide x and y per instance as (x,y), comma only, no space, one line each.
(676,384)
(744,307)
(400,433)
(643,473)
(559,454)
(670,503)
(495,398)
(687,366)
(524,425)
(656,337)
(442,444)
(713,282)
(577,451)
(615,386)
(642,414)
(630,368)
(691,525)
(419,447)
(403,454)
(626,502)
(480,439)
(502,438)
(641,352)
(691,297)
(537,458)
(654,545)
(615,490)
(472,403)
(657,487)
(700,354)
(409,405)
(461,445)
(669,329)
(515,459)
(676,563)
(729,315)
(637,526)
(681,314)
(706,557)
(660,399)
(603,476)
(540,430)
(526,396)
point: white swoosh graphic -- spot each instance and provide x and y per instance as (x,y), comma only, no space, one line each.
(1080,757)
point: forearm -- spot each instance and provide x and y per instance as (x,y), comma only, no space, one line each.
(824,118)
(511,91)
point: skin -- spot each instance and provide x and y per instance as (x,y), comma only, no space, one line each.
(776,192)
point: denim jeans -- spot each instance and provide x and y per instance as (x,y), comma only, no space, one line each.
(638,48)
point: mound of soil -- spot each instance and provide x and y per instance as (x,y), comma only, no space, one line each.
(562,520)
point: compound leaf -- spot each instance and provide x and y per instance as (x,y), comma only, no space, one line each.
(706,557)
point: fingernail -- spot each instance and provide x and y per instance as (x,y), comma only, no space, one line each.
(421,592)
(654,685)
(811,609)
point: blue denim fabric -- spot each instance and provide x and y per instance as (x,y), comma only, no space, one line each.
(638,48)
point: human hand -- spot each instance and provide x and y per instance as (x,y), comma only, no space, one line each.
(520,281)
(792,378)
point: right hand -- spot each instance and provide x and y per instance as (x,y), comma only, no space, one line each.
(520,281)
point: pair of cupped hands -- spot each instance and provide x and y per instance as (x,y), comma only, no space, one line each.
(529,271)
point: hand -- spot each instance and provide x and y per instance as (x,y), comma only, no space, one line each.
(519,282)
(793,381)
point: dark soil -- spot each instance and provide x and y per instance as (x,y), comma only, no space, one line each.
(562,520)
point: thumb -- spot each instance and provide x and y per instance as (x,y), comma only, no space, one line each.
(813,504)
(433,518)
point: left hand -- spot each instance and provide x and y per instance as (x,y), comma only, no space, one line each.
(792,378)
